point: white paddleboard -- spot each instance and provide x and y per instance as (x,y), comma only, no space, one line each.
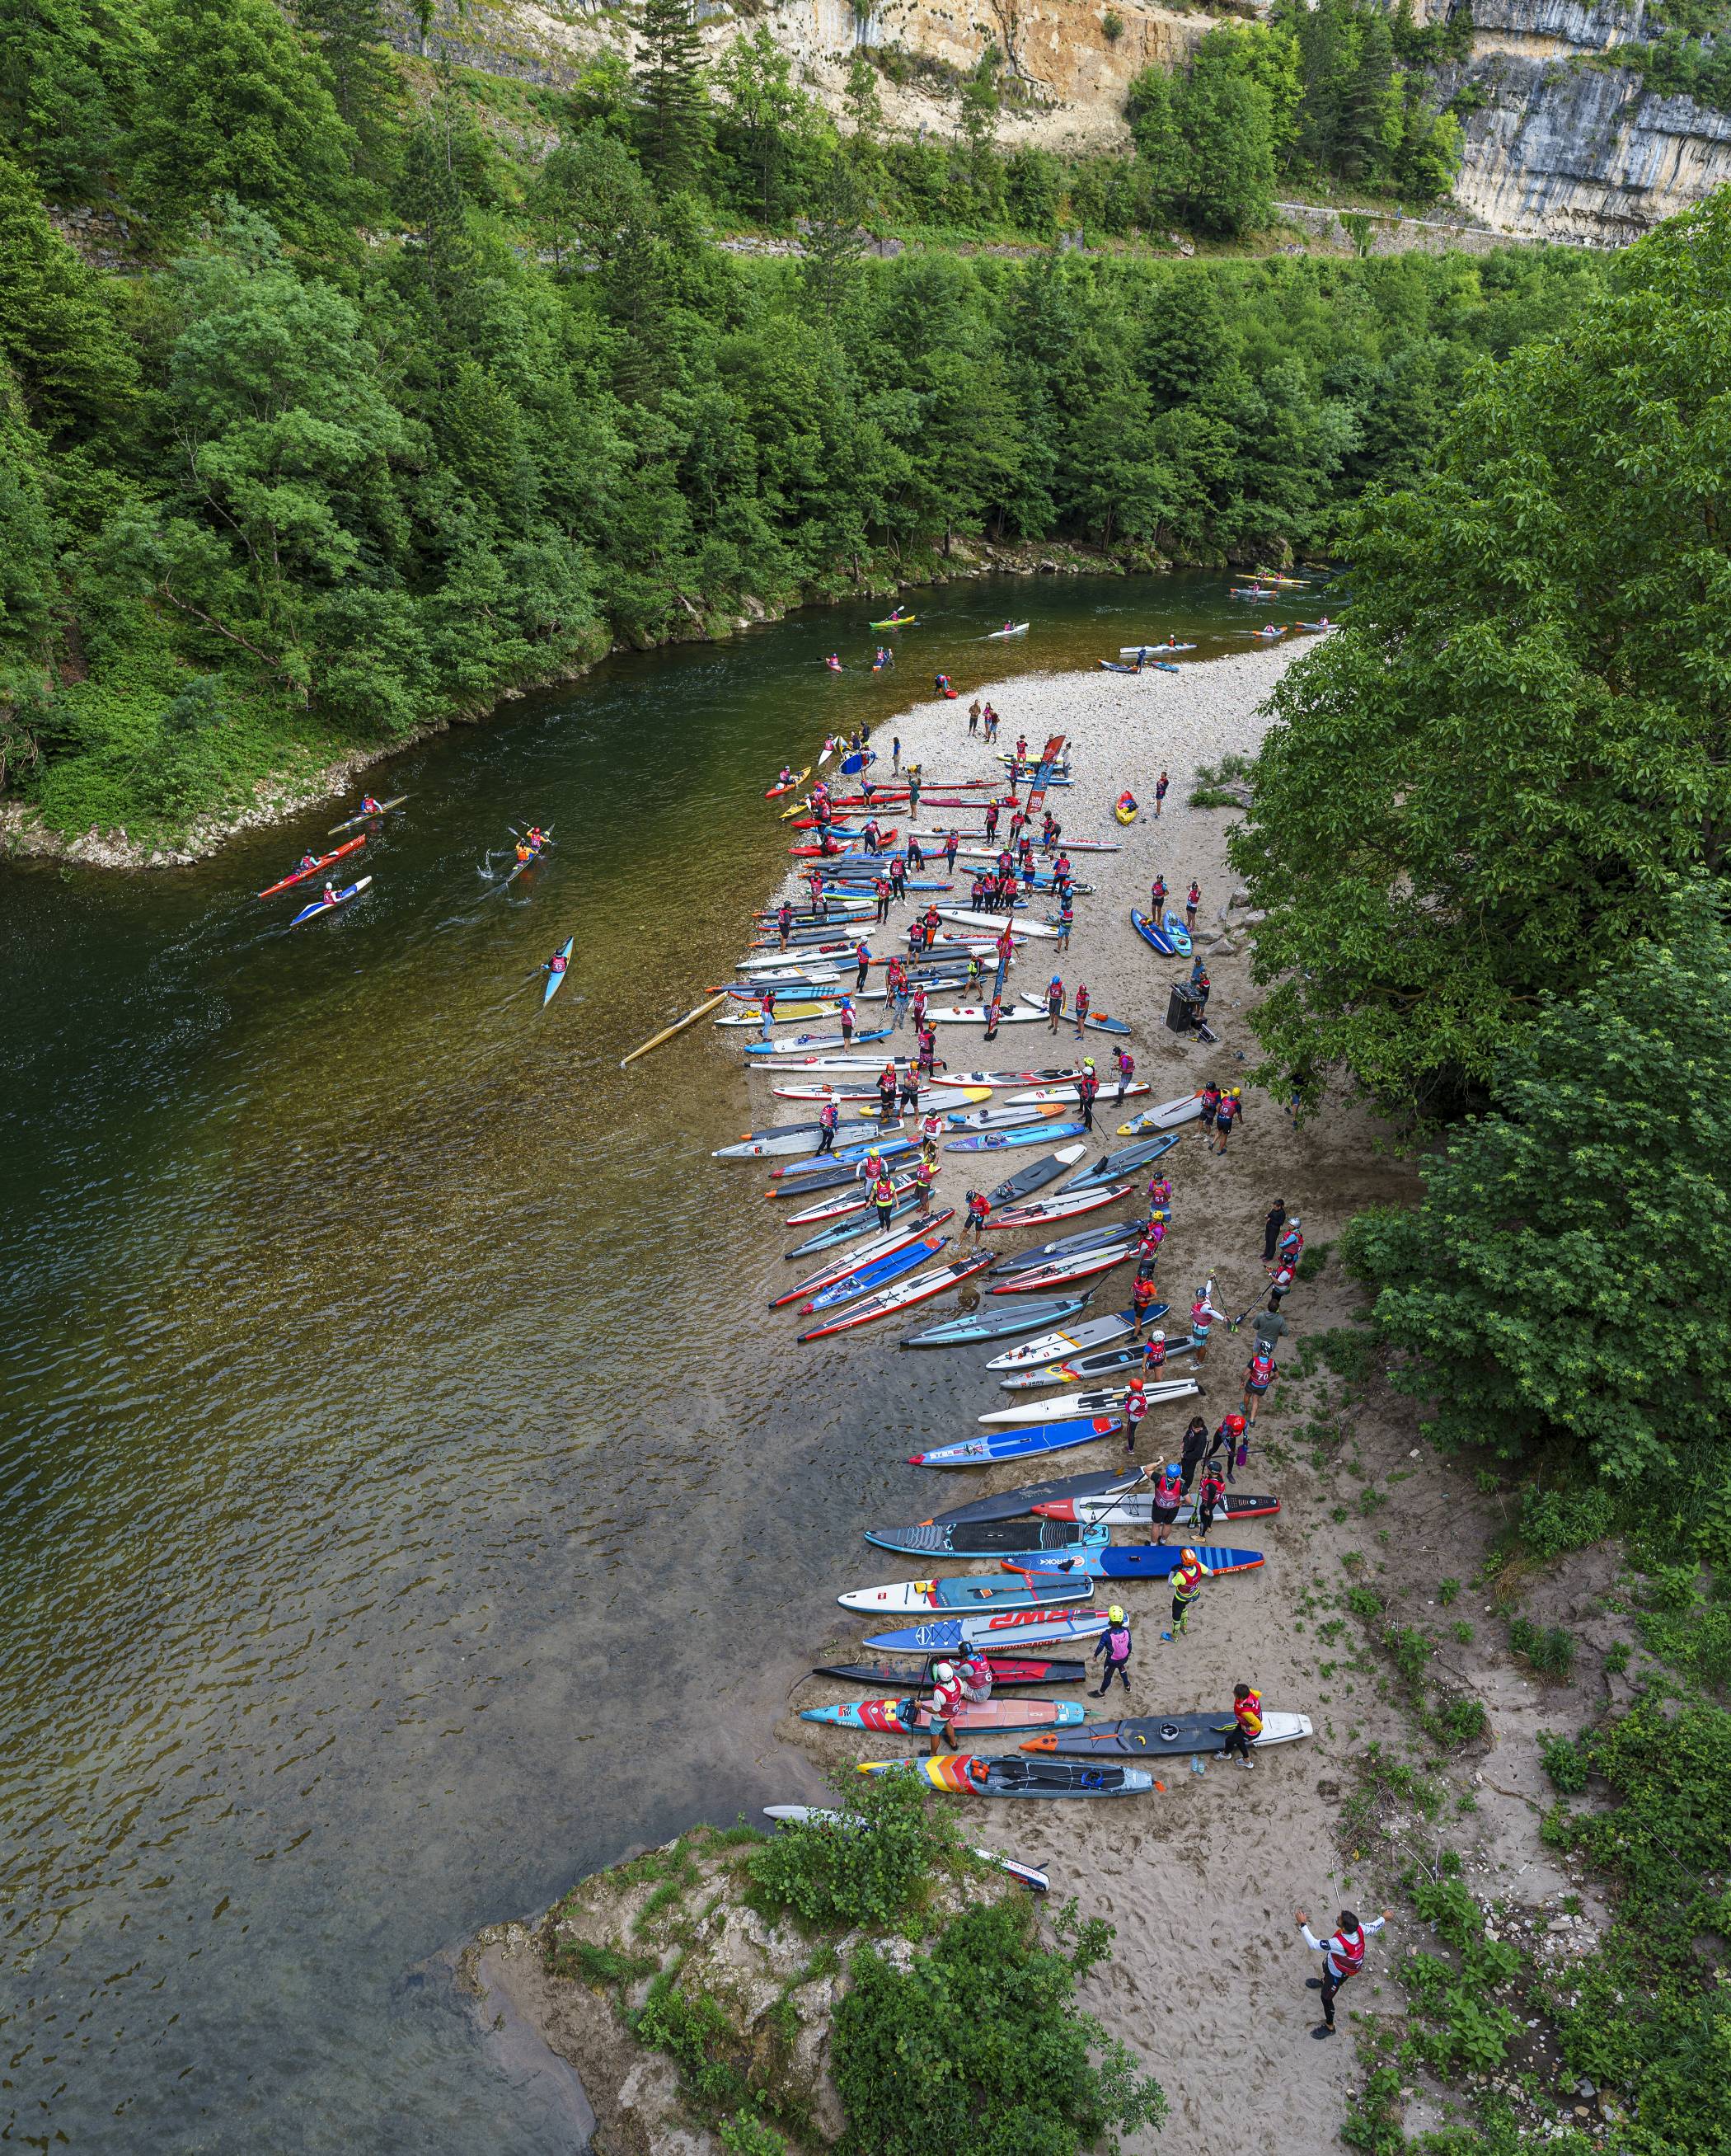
(1059,1407)
(1019,925)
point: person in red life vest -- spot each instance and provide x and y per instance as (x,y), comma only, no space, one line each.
(895,987)
(1246,1724)
(1159,1193)
(978,1207)
(1125,1066)
(861,964)
(932,923)
(1227,1438)
(766,1011)
(916,938)
(1281,1277)
(828,845)
(881,895)
(1229,1110)
(1114,1643)
(1024,849)
(1161,786)
(1202,1315)
(924,1176)
(1154,1355)
(1054,1004)
(846,1015)
(898,878)
(1291,1243)
(931,1128)
(1147,1251)
(1135,1407)
(916,855)
(991,822)
(973,1673)
(886,1093)
(1209,1492)
(946,1702)
(1258,1376)
(1081,1006)
(1156,900)
(870,1168)
(883,1198)
(1021,749)
(952,844)
(872,837)
(1192,900)
(917,1006)
(1167,1497)
(1049,829)
(309,861)
(976,903)
(1142,1302)
(1343,1956)
(1186,1585)
(910,1091)
(828,1115)
(1211,1108)
(1088,1087)
(928,1059)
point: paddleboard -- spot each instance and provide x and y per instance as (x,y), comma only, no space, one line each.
(846,1230)
(1135,1508)
(1156,938)
(1156,1561)
(1017,1504)
(835,1209)
(995,1324)
(901,1297)
(963,1775)
(978,1014)
(1089,1239)
(881,1245)
(970,1592)
(1035,1176)
(1098,1400)
(1054,1346)
(867,1278)
(1027,1443)
(1008,1672)
(1177,935)
(988,1537)
(938,1635)
(1084,1369)
(1062,1272)
(1114,1165)
(1043,1097)
(1065,1205)
(992,922)
(1182,1108)
(803,1042)
(793,1138)
(909,1717)
(1011,1140)
(1169,1735)
(1006,1117)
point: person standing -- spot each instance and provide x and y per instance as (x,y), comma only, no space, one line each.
(924,1176)
(978,1207)
(1194,1450)
(1157,899)
(828,1115)
(1211,1109)
(1161,785)
(1142,1302)
(1186,1585)
(1054,1004)
(1271,1228)
(1114,1643)
(918,1007)
(974,716)
(1343,1956)
(1168,1496)
(895,755)
(1079,1006)
(992,822)
(1266,1328)
(1135,1407)
(908,1102)
(952,844)
(845,1014)
(784,923)
(1211,1490)
(1066,922)
(861,965)
(886,1087)
(1088,1086)
(1291,1245)
(1281,1276)
(1259,1375)
(883,1198)
(914,782)
(1202,1315)
(1247,1723)
(1232,1107)
(766,1013)
(881,891)
(1154,1355)
(994,1010)
(1125,1063)
(1192,900)
(897,880)
(945,1703)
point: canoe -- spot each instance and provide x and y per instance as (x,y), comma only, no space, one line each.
(774,793)
(1089,1239)
(1066,1271)
(556,981)
(1012,1627)
(1034,1177)
(1168,1736)
(1177,935)
(963,1775)
(992,1119)
(1065,1205)
(911,1716)
(1034,1880)
(996,1324)
(987,1537)
(1028,1442)
(881,1246)
(330,905)
(805,1042)
(1155,938)
(878,1273)
(1054,1346)
(1089,1370)
(1008,1672)
(1126,807)
(992,922)
(1126,1161)
(1135,1508)
(997,635)
(1094,1399)
(902,1296)
(1027,1134)
(1181,1108)
(369,815)
(324,861)
(971,1591)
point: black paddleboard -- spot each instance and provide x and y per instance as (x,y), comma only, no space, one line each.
(1124,1162)
(1091,1239)
(981,1538)
(1149,1736)
(1014,1504)
(1026,1180)
(1009,1674)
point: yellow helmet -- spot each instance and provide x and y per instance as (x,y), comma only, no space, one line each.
(1114,1615)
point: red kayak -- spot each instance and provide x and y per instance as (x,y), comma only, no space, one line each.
(854,849)
(318,867)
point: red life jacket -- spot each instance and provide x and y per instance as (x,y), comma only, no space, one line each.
(1171,1486)
(1249,1711)
(1187,1583)
(1137,1401)
(1349,1953)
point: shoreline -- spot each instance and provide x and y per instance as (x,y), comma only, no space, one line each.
(1196,1863)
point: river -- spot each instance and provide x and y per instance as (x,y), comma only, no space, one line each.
(407,1507)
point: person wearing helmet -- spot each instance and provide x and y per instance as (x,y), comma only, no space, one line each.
(1080,1006)
(1114,1643)
(1291,1243)
(1259,1373)
(1054,1002)
(1227,1438)
(1088,1086)
(1154,1355)
(1247,1723)
(973,1673)
(1210,1493)
(1202,1315)
(943,1706)
(1343,1958)
(1168,1496)
(1135,1407)
(1186,1585)
(1195,1448)
(1231,1109)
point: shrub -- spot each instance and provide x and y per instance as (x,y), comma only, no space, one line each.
(1551,1650)
(1411,1651)
(980,2044)
(873,1865)
(1313,1261)
(1112,26)
(1565,1762)
(1364,1601)
(745,2134)
(1552,1520)
(1460,1722)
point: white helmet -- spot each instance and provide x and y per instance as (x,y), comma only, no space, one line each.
(943,1672)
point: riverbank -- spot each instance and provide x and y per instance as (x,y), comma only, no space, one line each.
(1206,1983)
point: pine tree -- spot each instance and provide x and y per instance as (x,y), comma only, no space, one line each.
(674,108)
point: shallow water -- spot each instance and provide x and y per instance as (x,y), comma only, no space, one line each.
(408,1505)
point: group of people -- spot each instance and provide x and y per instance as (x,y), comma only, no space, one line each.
(980,715)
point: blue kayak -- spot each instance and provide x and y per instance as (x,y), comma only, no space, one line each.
(984,1324)
(556,981)
(1124,1162)
(865,1279)
(1156,938)
(1006,1141)
(1023,1442)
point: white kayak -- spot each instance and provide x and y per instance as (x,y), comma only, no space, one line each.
(1100,1399)
(992,1119)
(1182,1108)
(978,1014)
(1151,651)
(931,1096)
(1064,1206)
(1014,628)
(1066,1095)
(964,918)
(1056,1346)
(840,1202)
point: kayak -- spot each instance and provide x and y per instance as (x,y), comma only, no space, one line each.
(964,918)
(1008,1141)
(860,1223)
(985,1324)
(1035,1176)
(1157,937)
(978,1014)
(1028,1443)
(942,1635)
(1015,629)
(330,905)
(788,786)
(1176,934)
(1090,1239)
(1066,1271)
(988,1591)
(324,861)
(556,981)
(785,1014)
(1099,1399)
(895,621)
(1124,1162)
(992,1119)
(1050,1346)
(1145,651)
(901,1297)
(1135,1508)
(1007,1673)
(1170,1736)
(881,1246)
(1064,1206)
(910,1717)
(368,815)
(1086,1369)
(800,1137)
(865,1279)
(1181,1108)
(994,1078)
(965,1776)
(1035,1881)
(1046,1096)
(806,1041)
(816,853)
(1126,809)
(988,1537)
(835,1209)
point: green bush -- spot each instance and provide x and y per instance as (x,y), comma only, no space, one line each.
(1549,1649)
(1554,1521)
(874,1865)
(582,1958)
(1459,1721)
(1410,1650)
(745,2134)
(1565,1762)
(979,2045)
(1364,1601)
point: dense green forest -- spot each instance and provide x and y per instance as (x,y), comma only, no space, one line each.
(384,412)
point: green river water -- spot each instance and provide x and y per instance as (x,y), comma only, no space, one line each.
(408,1504)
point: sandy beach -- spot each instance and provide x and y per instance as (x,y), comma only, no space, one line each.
(1208,1980)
